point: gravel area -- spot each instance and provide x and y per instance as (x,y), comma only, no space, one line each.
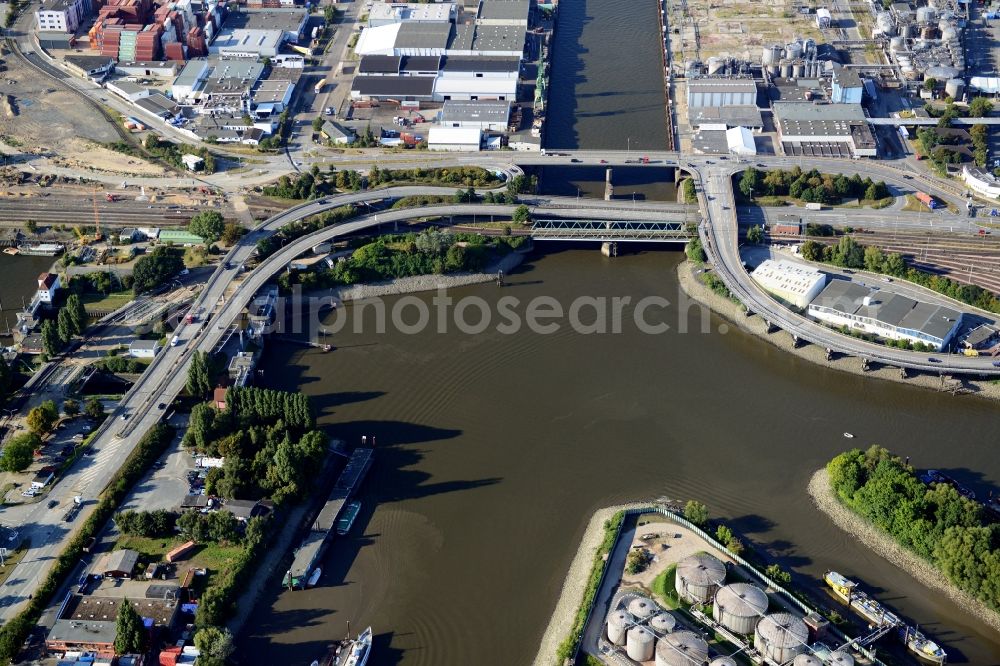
(418,283)
(754,325)
(864,532)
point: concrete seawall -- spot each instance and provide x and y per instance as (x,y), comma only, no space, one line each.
(734,313)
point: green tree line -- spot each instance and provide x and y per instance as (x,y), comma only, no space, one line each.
(810,186)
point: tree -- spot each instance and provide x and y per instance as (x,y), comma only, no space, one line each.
(51,342)
(522,214)
(31,227)
(755,234)
(894,264)
(19,452)
(231,233)
(214,644)
(812,251)
(77,313)
(317,123)
(209,224)
(199,381)
(157,268)
(64,326)
(129,632)
(979,107)
(751,181)
(777,574)
(696,512)
(41,419)
(94,409)
(930,84)
(874,259)
(690,192)
(71,407)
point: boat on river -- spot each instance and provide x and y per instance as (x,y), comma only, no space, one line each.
(849,435)
(349,652)
(936,476)
(882,621)
(346,521)
(314,577)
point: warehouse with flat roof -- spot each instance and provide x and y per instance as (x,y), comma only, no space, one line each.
(721,92)
(796,284)
(479,114)
(824,130)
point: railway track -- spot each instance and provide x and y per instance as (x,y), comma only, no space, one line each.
(17,214)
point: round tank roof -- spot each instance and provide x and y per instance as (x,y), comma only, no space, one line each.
(663,623)
(941,72)
(701,569)
(783,630)
(641,634)
(619,618)
(742,600)
(723,661)
(840,658)
(641,607)
(683,648)
(806,660)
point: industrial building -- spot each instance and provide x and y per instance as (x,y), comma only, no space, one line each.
(824,130)
(62,15)
(503,12)
(455,139)
(847,86)
(739,606)
(478,114)
(725,117)
(88,622)
(780,637)
(712,92)
(796,284)
(144,348)
(386,13)
(885,314)
(740,142)
(698,577)
(981,181)
(259,34)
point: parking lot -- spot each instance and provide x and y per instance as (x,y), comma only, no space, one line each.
(166,485)
(54,452)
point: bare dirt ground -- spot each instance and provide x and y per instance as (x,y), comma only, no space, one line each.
(671,544)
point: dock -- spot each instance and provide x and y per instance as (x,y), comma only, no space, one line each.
(314,545)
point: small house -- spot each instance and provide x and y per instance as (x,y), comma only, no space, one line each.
(119,563)
(144,348)
(42,479)
(48,285)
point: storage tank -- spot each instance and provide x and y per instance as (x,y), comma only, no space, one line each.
(682,648)
(807,660)
(948,33)
(723,661)
(640,643)
(663,623)
(798,70)
(786,70)
(780,637)
(840,658)
(954,88)
(698,577)
(641,608)
(772,54)
(618,622)
(739,606)
(793,50)
(809,48)
(884,23)
(715,65)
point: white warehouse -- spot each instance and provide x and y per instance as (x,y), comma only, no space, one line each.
(721,92)
(793,283)
(456,139)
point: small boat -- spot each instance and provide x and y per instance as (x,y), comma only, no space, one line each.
(349,652)
(849,435)
(347,520)
(922,647)
(314,577)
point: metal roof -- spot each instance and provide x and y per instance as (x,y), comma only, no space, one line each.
(402,86)
(721,85)
(485,64)
(475,110)
(504,10)
(498,38)
(734,116)
(420,64)
(423,36)
(379,64)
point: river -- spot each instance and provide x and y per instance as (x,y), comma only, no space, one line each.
(19,288)
(494,449)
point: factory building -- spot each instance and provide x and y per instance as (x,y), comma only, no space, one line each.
(796,284)
(698,577)
(721,92)
(62,15)
(503,12)
(847,86)
(738,607)
(682,648)
(780,637)
(386,13)
(982,181)
(740,142)
(259,34)
(470,78)
(480,114)
(455,139)
(885,314)
(824,130)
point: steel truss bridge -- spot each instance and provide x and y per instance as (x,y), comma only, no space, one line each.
(646,231)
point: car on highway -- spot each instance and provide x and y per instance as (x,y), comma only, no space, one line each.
(604,161)
(576,160)
(53,503)
(887,279)
(933,360)
(162,405)
(996,364)
(229,265)
(124,417)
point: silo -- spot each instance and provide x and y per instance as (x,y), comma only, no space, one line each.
(780,637)
(954,88)
(798,70)
(807,660)
(809,48)
(683,648)
(840,658)
(617,624)
(641,608)
(698,577)
(786,69)
(715,64)
(739,606)
(793,50)
(663,623)
(639,645)
(723,661)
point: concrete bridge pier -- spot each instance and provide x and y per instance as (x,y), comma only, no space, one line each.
(609,188)
(829,354)
(902,373)
(864,365)
(747,312)
(609,249)
(795,341)
(768,326)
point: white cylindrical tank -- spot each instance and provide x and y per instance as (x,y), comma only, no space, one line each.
(682,648)
(780,637)
(897,44)
(618,623)
(738,607)
(840,658)
(793,50)
(663,623)
(786,70)
(640,643)
(698,577)
(715,64)
(641,608)
(949,33)
(807,660)
(723,661)
(770,54)
(798,70)
(954,88)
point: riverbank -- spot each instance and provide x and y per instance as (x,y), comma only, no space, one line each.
(418,283)
(734,312)
(862,531)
